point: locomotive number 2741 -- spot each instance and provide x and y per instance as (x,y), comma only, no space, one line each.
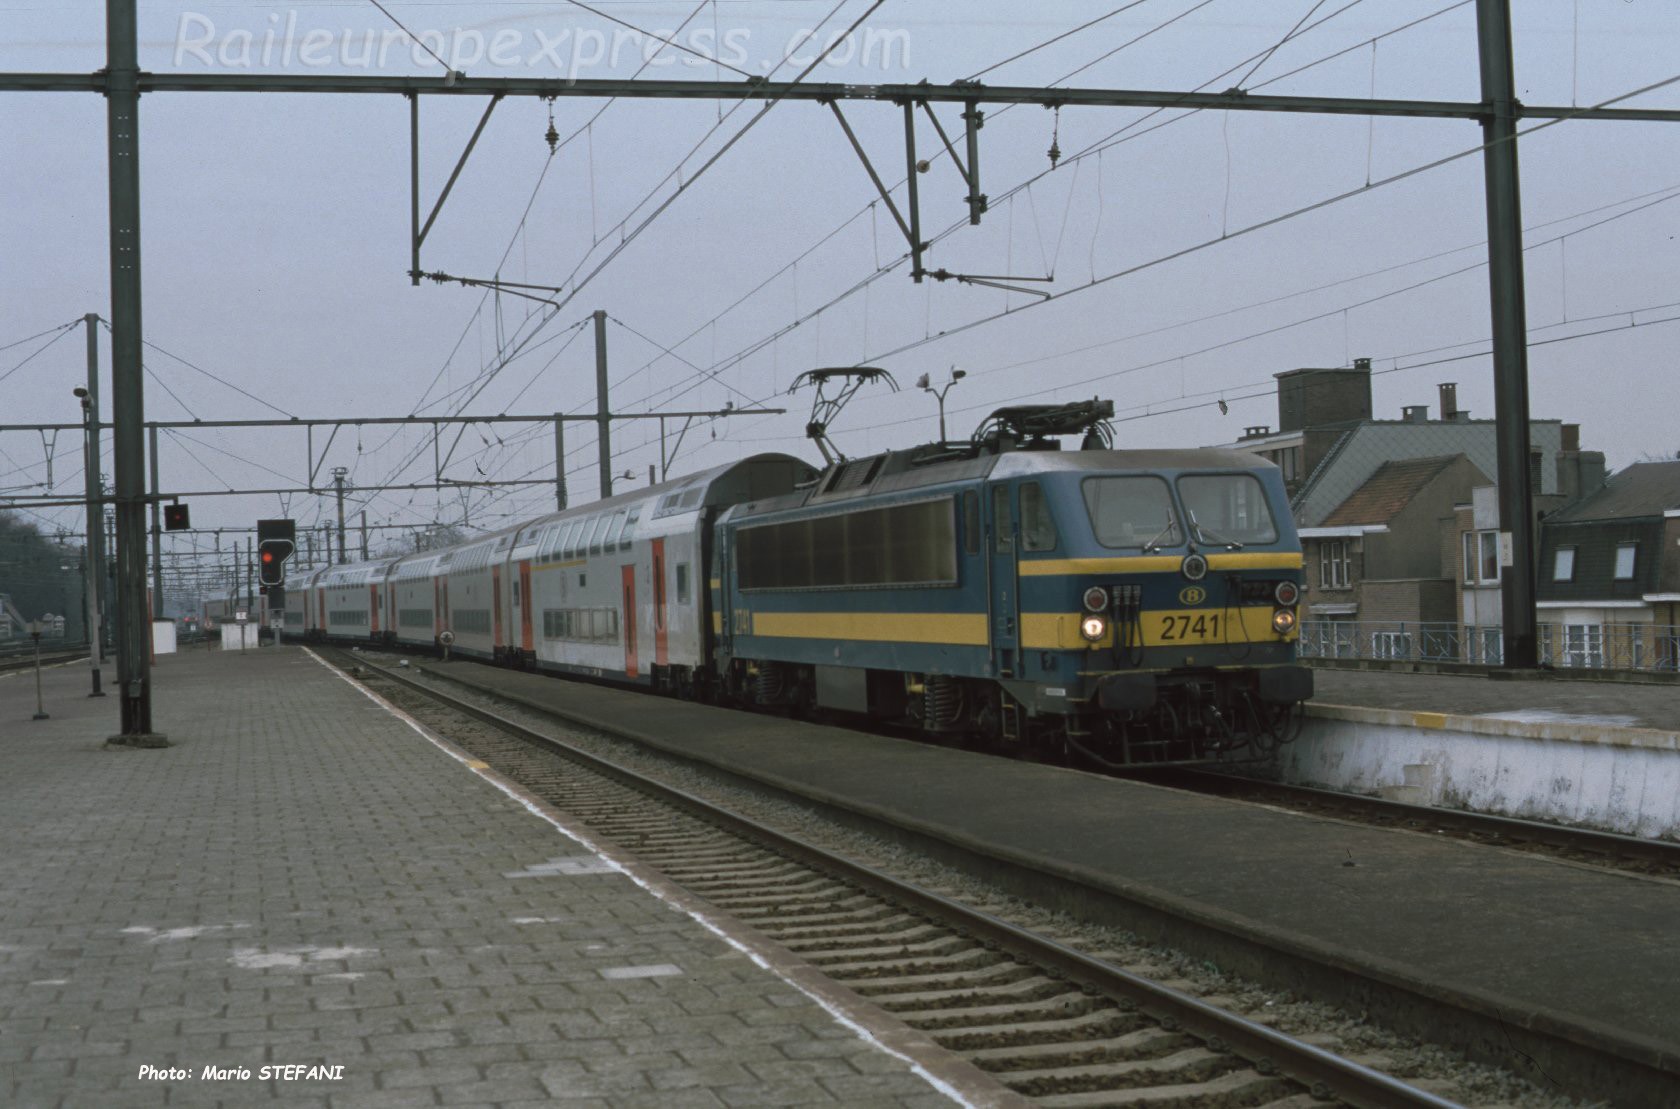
(1185,628)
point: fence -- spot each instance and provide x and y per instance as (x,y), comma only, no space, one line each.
(1574,646)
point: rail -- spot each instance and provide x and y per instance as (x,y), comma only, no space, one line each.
(1324,1073)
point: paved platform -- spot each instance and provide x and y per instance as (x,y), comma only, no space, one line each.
(303,880)
(1537,701)
(1576,955)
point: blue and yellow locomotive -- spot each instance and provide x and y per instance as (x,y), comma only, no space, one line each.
(1127,607)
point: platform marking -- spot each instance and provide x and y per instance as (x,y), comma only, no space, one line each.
(478,764)
(668,892)
(1429,719)
(658,970)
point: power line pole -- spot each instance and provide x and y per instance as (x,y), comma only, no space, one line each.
(364,536)
(603,419)
(94,554)
(128,402)
(559,462)
(338,481)
(1510,332)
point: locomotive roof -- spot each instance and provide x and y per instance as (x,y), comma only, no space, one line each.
(898,471)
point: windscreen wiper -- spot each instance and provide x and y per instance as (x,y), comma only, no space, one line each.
(1155,543)
(1208,535)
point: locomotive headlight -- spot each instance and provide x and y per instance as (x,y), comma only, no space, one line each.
(1287,593)
(1283,621)
(1096,599)
(1093,628)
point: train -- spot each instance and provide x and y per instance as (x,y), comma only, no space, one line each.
(1119,607)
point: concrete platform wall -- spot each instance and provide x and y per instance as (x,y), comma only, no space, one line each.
(1605,776)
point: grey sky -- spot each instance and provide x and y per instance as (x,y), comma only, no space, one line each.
(275,235)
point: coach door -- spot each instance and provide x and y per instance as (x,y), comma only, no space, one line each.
(628,622)
(661,631)
(523,599)
(1002,586)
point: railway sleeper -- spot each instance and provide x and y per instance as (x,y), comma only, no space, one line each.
(815,890)
(1000,974)
(1145,1043)
(955,996)
(1027,1012)
(973,959)
(864,917)
(911,931)
(1239,1087)
(1097,1025)
(818,908)
(738,869)
(942,943)
(1193,1064)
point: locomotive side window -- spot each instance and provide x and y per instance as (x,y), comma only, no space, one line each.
(1038,530)
(971,522)
(904,544)
(1227,508)
(1000,519)
(1131,512)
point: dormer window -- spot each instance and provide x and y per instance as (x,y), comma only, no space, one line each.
(1563,565)
(1626,555)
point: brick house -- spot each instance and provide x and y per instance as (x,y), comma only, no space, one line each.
(1377,559)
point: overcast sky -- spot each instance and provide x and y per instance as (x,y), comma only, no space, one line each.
(275,232)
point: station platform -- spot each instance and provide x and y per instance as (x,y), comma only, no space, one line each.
(304,882)
(1540,700)
(1563,965)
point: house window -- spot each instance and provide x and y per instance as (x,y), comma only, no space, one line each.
(1583,645)
(1563,565)
(1470,557)
(1335,565)
(1626,553)
(1490,557)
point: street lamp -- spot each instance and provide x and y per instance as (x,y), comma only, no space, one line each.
(91,552)
(924,384)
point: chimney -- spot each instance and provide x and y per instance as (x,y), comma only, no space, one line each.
(1449,400)
(1571,437)
(1415,413)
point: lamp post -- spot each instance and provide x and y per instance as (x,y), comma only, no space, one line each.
(924,384)
(91,554)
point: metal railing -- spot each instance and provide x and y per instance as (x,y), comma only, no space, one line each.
(1571,646)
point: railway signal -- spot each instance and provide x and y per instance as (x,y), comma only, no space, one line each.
(276,540)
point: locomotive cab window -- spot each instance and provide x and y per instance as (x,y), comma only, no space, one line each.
(1227,509)
(1038,529)
(1132,512)
(1000,519)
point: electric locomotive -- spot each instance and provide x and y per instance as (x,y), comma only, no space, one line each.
(1127,607)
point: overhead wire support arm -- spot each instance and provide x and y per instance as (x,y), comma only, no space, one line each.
(973,120)
(869,167)
(913,200)
(456,172)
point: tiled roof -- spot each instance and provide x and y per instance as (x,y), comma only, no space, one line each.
(1388,491)
(1643,489)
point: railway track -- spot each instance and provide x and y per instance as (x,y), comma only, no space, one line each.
(1660,858)
(1056,1026)
(25,660)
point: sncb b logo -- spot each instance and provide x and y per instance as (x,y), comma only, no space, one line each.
(1192,595)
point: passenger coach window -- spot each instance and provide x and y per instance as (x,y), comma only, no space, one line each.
(1131,512)
(682,583)
(1000,518)
(971,522)
(1038,530)
(1227,508)
(610,541)
(628,535)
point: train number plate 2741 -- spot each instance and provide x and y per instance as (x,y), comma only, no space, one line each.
(1186,627)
